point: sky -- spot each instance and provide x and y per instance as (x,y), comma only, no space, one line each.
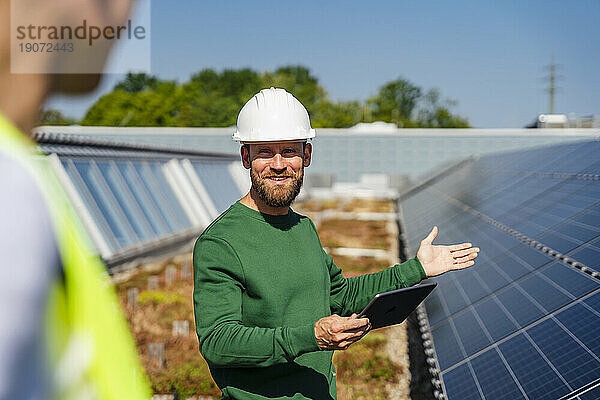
(488,56)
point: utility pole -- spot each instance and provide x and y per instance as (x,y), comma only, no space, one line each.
(552,83)
(552,88)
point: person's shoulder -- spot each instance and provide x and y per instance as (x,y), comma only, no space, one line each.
(224,224)
(27,222)
(222,234)
(19,187)
(302,219)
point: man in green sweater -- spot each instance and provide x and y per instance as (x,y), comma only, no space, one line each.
(270,304)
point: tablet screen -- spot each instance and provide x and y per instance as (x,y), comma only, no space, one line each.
(391,308)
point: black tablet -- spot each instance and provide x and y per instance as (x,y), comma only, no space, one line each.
(390,308)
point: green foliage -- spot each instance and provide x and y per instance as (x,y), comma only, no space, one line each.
(297,80)
(160,297)
(134,83)
(340,115)
(150,107)
(212,98)
(189,379)
(365,361)
(54,117)
(395,102)
(436,114)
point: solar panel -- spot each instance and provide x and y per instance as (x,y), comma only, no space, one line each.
(525,321)
(497,321)
(219,183)
(535,376)
(134,200)
(574,363)
(494,377)
(593,394)
(461,385)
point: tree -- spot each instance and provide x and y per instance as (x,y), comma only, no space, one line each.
(395,102)
(212,98)
(152,107)
(134,83)
(54,117)
(297,80)
(327,114)
(435,113)
(207,110)
(240,85)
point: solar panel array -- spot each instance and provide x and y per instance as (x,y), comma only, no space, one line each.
(525,321)
(130,198)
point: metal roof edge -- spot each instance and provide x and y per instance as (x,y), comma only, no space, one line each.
(463,132)
(46,137)
(85,130)
(409,132)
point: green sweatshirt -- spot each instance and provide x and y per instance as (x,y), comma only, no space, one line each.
(260,284)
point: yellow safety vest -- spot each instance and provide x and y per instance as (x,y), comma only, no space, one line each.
(91,349)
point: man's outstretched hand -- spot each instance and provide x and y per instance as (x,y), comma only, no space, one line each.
(337,333)
(437,259)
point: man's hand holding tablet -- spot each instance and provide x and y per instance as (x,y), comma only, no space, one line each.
(391,308)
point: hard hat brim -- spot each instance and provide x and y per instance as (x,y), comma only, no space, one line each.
(274,141)
(238,137)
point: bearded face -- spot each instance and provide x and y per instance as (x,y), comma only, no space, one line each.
(277,189)
(276,170)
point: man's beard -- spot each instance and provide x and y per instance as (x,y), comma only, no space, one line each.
(277,195)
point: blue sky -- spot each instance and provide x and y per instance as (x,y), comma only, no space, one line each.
(488,56)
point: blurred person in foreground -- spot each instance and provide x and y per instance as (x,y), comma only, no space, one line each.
(62,336)
(270,305)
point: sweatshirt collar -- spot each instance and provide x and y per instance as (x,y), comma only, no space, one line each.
(286,219)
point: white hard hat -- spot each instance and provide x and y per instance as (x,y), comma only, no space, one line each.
(273,115)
